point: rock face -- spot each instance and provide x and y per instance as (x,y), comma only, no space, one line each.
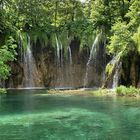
(68,68)
(131,69)
(59,69)
(16,77)
(96,63)
(128,73)
(66,74)
(49,73)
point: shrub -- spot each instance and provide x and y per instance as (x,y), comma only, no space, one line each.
(2,91)
(130,91)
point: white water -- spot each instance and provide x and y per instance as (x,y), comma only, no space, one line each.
(70,55)
(61,49)
(59,61)
(92,55)
(58,50)
(117,65)
(29,66)
(64,74)
(116,76)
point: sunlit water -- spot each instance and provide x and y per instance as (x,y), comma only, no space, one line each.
(33,115)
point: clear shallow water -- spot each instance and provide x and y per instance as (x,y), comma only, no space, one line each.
(32,115)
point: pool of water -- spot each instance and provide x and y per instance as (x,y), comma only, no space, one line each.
(33,115)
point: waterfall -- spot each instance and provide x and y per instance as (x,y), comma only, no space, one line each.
(59,61)
(64,74)
(95,67)
(91,57)
(117,65)
(29,65)
(70,55)
(116,76)
(70,73)
(58,50)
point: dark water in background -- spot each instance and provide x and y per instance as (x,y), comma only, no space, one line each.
(33,115)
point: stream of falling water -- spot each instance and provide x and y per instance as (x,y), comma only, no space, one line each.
(59,61)
(70,55)
(92,55)
(29,66)
(115,62)
(57,50)
(61,52)
(116,76)
(64,70)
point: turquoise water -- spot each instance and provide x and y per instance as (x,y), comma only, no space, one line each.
(32,115)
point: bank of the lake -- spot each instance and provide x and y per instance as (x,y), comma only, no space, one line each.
(121,91)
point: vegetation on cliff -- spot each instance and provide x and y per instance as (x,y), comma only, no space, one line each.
(7,54)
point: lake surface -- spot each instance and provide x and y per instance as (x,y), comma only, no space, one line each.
(33,115)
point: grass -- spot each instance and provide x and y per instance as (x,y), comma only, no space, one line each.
(103,92)
(127,91)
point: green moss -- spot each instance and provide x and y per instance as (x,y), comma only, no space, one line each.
(109,69)
(24,39)
(115,61)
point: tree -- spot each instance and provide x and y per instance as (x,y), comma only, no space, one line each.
(134,15)
(7,54)
(120,39)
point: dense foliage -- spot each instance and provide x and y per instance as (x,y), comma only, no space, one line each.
(7,54)
(43,19)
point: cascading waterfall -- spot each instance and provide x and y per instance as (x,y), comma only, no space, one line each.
(70,55)
(67,71)
(61,56)
(64,75)
(59,60)
(57,50)
(116,65)
(70,75)
(29,66)
(116,76)
(95,67)
(91,57)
